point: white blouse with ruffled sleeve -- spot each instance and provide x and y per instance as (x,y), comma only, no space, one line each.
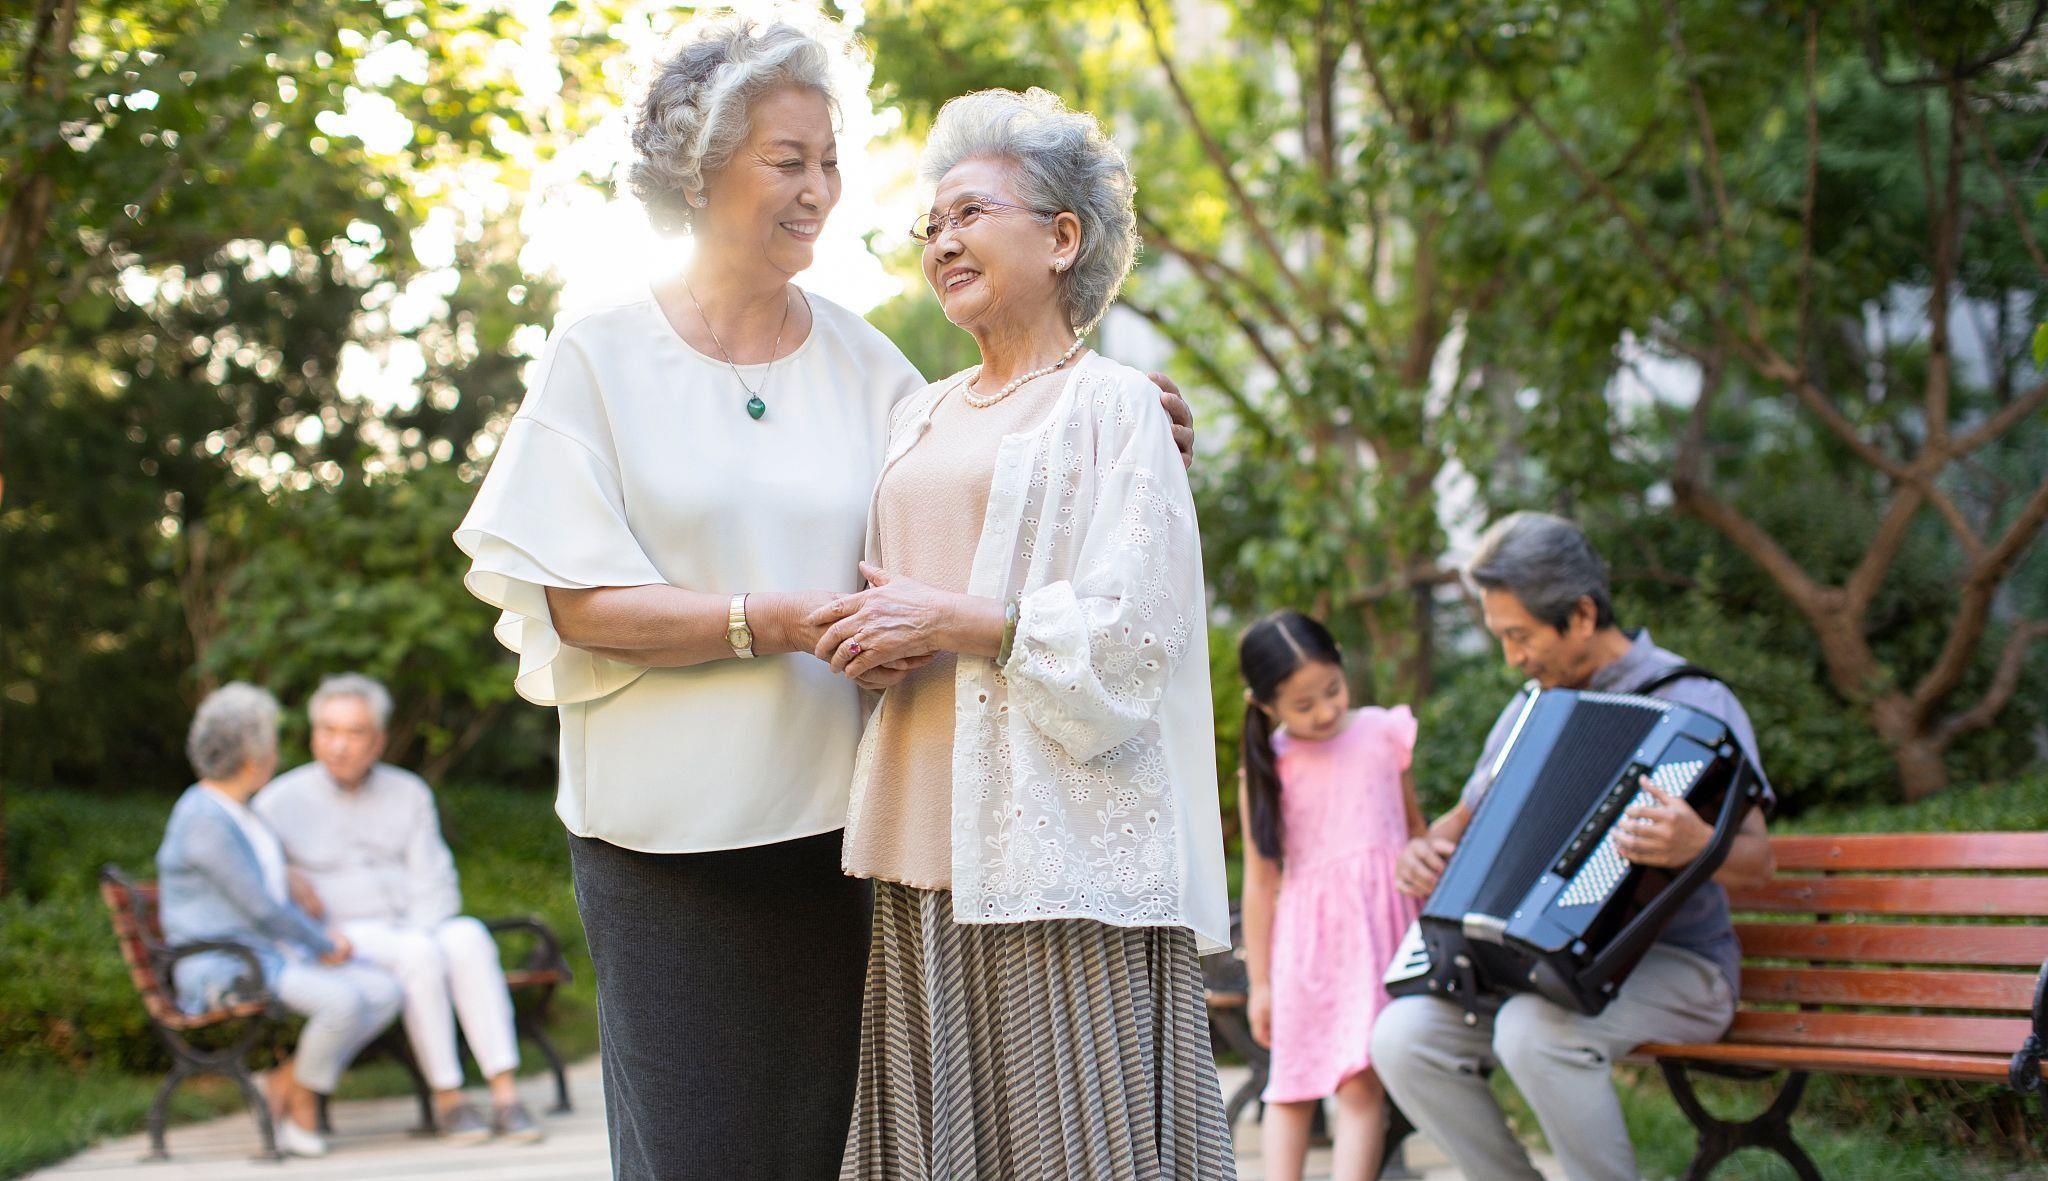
(632,461)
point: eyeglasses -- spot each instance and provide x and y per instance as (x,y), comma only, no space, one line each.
(966,213)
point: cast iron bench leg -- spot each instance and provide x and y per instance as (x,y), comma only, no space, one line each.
(1720,1138)
(533,1023)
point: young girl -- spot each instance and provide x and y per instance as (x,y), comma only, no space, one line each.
(1328,805)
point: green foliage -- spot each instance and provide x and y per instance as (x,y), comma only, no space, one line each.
(217,245)
(2018,805)
(364,577)
(918,326)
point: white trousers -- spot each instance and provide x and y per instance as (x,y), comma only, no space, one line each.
(448,973)
(1432,1062)
(346,1007)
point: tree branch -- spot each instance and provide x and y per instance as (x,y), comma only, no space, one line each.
(2000,421)
(2005,681)
(1808,71)
(1892,530)
(1246,209)
(1973,608)
(1199,261)
(1809,596)
(1428,575)
(1247,413)
(2013,205)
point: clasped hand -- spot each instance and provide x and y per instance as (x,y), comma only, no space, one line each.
(882,634)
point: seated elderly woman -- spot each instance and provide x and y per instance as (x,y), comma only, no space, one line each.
(1038,804)
(221,874)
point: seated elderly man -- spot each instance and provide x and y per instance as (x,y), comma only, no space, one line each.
(366,840)
(1544,595)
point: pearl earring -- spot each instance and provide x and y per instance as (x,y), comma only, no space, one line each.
(1061,265)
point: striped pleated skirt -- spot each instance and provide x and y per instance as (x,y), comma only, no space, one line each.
(1066,1050)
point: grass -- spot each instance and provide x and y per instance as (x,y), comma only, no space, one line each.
(1895,1144)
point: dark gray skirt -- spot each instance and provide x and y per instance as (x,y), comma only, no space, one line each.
(1045,1051)
(728,1004)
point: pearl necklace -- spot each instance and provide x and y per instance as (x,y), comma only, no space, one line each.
(984,401)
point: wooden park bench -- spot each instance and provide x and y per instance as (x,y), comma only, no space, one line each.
(1914,954)
(1908,954)
(234,1028)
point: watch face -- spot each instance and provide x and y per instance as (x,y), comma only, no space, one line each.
(740,637)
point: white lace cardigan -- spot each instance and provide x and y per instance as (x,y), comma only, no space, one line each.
(1084,775)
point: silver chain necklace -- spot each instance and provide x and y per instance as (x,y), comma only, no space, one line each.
(755,406)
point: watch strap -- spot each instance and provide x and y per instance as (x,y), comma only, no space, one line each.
(737,628)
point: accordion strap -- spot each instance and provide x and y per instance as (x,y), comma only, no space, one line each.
(1677,672)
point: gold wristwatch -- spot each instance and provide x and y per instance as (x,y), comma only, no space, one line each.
(737,633)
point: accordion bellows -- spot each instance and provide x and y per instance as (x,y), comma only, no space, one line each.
(1538,898)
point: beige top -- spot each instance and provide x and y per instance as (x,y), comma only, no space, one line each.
(928,519)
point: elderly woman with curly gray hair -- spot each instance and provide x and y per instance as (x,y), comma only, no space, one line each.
(685,487)
(1038,804)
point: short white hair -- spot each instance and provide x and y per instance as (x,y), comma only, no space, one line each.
(1062,163)
(368,689)
(234,724)
(694,113)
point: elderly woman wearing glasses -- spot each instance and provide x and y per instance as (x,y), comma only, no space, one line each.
(1038,804)
(686,481)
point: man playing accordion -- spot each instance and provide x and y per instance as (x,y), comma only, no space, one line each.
(1545,597)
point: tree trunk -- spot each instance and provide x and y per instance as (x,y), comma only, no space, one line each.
(1917,748)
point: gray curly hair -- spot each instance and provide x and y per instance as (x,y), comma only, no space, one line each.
(693,115)
(1060,161)
(237,722)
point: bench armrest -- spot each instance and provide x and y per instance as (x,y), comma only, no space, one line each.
(250,987)
(547,951)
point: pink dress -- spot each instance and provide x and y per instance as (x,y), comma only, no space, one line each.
(1339,919)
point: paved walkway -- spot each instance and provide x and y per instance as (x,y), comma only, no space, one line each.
(372,1139)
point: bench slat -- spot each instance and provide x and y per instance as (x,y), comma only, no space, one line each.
(2012,946)
(2009,991)
(1830,1060)
(1882,1031)
(2012,897)
(1911,851)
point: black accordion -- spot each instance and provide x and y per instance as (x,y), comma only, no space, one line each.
(1537,898)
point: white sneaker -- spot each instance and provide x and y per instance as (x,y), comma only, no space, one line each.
(293,1140)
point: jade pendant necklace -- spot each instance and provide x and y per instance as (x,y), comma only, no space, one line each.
(755,406)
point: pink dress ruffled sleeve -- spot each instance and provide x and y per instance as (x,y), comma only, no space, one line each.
(1339,918)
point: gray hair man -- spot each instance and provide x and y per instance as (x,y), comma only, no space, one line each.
(364,839)
(1544,594)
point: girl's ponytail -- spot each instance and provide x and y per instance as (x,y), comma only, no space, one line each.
(1262,782)
(1270,651)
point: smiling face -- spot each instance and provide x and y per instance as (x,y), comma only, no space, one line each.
(999,266)
(770,201)
(1313,702)
(1555,658)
